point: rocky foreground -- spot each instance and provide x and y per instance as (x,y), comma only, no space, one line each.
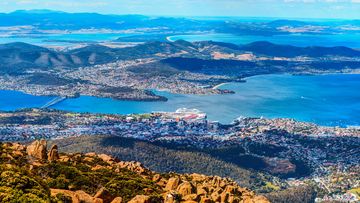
(34,174)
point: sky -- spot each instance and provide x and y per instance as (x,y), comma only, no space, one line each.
(343,9)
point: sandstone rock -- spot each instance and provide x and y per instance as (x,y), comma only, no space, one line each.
(171,197)
(76,197)
(18,147)
(161,182)
(117,200)
(172,183)
(197,177)
(215,197)
(205,200)
(185,188)
(136,167)
(156,177)
(37,149)
(86,198)
(89,159)
(97,167)
(233,199)
(90,154)
(53,154)
(104,195)
(201,190)
(192,197)
(105,157)
(18,153)
(224,197)
(230,189)
(140,199)
(64,159)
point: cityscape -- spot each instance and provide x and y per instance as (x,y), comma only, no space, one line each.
(179,101)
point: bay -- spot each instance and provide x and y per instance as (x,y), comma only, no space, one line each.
(332,100)
(302,40)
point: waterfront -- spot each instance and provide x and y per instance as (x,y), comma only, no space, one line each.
(323,99)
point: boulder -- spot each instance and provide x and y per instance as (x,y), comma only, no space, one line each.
(201,190)
(76,197)
(205,200)
(156,178)
(185,188)
(224,197)
(53,154)
(140,199)
(172,183)
(37,149)
(171,197)
(117,200)
(86,198)
(192,197)
(197,177)
(105,158)
(104,195)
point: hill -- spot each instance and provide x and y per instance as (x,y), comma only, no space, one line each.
(19,57)
(270,49)
(34,174)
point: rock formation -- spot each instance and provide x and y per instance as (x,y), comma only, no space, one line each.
(77,177)
(37,149)
(53,154)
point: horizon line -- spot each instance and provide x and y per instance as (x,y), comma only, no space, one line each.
(185,16)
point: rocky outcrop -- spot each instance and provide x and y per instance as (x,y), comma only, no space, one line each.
(140,199)
(76,196)
(117,200)
(53,154)
(145,186)
(172,183)
(37,149)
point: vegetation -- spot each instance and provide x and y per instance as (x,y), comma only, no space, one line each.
(300,194)
(162,158)
(32,175)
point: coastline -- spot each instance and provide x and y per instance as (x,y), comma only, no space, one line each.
(190,101)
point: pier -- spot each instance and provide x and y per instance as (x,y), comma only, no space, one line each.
(53,102)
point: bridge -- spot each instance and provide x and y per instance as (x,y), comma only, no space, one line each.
(53,102)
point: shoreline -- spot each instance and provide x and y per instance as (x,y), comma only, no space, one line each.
(350,124)
(27,110)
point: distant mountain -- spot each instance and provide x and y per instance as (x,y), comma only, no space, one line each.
(15,57)
(270,49)
(282,22)
(47,19)
(37,11)
(18,57)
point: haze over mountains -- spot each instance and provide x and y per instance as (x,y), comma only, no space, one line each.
(38,21)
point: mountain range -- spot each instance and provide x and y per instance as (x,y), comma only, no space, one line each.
(18,57)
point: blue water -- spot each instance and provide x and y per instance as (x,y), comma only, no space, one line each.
(12,100)
(48,39)
(302,40)
(327,100)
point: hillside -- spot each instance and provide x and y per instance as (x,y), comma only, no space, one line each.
(19,57)
(34,174)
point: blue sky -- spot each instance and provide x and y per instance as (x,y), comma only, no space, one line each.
(349,9)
